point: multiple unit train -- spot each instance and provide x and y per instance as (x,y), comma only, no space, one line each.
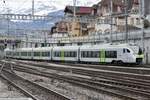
(107,53)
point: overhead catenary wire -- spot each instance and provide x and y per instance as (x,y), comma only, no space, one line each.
(21,5)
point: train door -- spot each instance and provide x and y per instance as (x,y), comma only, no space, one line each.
(102,56)
(62,55)
(78,54)
(126,55)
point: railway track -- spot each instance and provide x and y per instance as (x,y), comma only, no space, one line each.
(31,89)
(113,76)
(91,71)
(140,69)
(111,86)
(113,90)
(137,69)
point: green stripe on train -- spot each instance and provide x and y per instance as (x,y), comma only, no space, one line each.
(62,55)
(102,56)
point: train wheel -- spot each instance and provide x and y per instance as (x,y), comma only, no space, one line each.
(114,62)
(119,62)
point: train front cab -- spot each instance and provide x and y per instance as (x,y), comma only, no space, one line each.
(140,57)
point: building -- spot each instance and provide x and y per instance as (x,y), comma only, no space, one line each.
(104,22)
(79,28)
(80,11)
(118,20)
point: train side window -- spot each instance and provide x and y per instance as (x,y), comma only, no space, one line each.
(75,54)
(114,54)
(56,54)
(89,54)
(17,53)
(59,54)
(124,50)
(36,53)
(23,53)
(94,54)
(45,54)
(111,54)
(83,54)
(97,54)
(29,53)
(72,54)
(48,54)
(68,54)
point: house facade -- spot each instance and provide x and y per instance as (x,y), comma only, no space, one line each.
(118,20)
(101,20)
(77,27)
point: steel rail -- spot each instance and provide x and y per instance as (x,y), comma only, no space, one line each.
(34,90)
(91,85)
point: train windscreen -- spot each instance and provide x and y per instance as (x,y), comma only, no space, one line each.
(140,51)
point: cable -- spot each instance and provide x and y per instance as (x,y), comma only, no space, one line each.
(4,5)
(21,5)
(3,1)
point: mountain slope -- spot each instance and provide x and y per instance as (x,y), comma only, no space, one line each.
(42,7)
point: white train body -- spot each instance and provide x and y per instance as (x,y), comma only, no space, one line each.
(66,53)
(87,53)
(108,53)
(42,53)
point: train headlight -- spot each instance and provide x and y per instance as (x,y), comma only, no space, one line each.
(140,56)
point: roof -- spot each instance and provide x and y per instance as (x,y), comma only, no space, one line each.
(106,46)
(79,10)
(42,48)
(66,48)
(118,3)
(115,2)
(130,27)
(136,1)
(24,49)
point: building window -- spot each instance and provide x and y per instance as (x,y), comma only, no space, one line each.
(132,21)
(137,21)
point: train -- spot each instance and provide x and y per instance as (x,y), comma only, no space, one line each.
(101,54)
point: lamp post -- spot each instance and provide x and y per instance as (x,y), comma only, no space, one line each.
(142,14)
(32,7)
(126,21)
(111,12)
(74,8)
(74,16)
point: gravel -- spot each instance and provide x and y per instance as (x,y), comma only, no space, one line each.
(8,91)
(74,92)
